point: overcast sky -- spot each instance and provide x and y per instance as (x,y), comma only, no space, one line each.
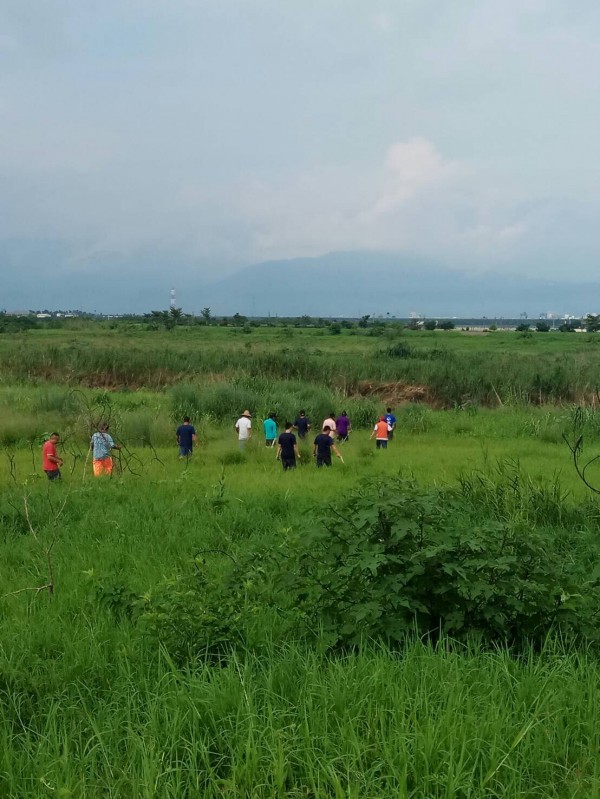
(228,132)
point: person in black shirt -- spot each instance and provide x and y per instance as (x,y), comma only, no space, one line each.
(287,449)
(302,425)
(324,446)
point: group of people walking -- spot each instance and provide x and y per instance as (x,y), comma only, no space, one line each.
(333,429)
(324,445)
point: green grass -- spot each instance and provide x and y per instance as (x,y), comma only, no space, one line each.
(293,723)
(92,705)
(454,367)
(92,708)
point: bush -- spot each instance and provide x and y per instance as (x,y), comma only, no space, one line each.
(194,613)
(400,351)
(396,559)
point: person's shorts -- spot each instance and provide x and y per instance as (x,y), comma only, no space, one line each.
(381,443)
(288,463)
(324,461)
(103,466)
(53,474)
(343,438)
(184,451)
(270,442)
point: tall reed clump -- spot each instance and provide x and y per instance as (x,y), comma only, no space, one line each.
(225,401)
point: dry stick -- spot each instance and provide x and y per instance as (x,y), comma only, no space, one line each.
(576,452)
(32,455)
(500,403)
(11,460)
(22,590)
(87,457)
(49,586)
(128,457)
(154,453)
(75,456)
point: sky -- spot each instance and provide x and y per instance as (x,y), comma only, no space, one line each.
(177,141)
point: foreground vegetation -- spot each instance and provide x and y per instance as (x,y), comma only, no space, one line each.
(419,622)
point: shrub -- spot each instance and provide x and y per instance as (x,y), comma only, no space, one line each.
(214,605)
(395,559)
(192,613)
(400,351)
(233,458)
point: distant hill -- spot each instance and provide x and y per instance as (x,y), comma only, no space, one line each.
(53,274)
(355,283)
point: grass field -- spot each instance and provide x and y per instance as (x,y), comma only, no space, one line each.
(168,661)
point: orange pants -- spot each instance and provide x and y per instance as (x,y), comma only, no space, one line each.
(103,466)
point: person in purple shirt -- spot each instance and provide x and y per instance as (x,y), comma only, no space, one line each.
(343,427)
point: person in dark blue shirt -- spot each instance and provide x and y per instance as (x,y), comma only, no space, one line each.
(302,425)
(186,438)
(287,450)
(391,421)
(323,447)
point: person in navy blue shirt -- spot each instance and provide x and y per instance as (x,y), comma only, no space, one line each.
(391,420)
(324,446)
(287,451)
(302,425)
(186,438)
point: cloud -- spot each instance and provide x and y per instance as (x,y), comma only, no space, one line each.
(226,133)
(412,166)
(414,199)
(383,23)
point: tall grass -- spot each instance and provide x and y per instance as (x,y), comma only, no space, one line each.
(501,370)
(225,401)
(433,723)
(91,705)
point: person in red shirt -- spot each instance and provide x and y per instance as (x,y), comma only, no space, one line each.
(380,433)
(51,462)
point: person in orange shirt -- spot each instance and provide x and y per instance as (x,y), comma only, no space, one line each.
(380,433)
(51,462)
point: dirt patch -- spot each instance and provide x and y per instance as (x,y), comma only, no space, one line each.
(395,393)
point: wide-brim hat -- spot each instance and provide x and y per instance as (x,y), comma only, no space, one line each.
(246,413)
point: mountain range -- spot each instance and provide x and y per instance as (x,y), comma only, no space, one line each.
(48,274)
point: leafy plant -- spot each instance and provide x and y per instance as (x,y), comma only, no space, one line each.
(396,558)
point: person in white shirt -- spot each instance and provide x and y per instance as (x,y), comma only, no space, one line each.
(330,423)
(244,429)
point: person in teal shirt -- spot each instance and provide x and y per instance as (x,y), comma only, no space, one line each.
(270,428)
